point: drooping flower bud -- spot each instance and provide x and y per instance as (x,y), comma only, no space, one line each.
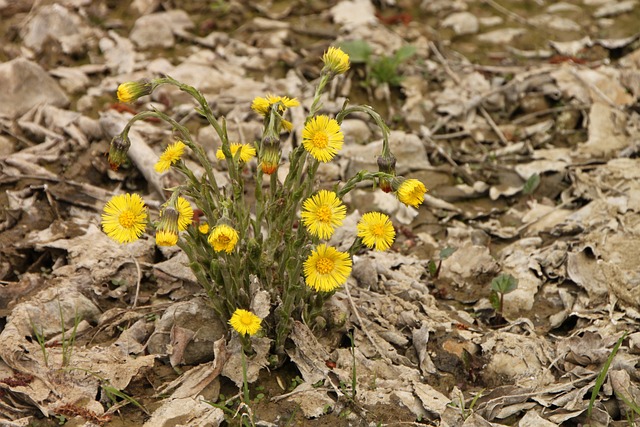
(386,164)
(118,151)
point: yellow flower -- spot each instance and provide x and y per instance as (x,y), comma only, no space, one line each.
(166,238)
(124,218)
(245,322)
(327,269)
(261,105)
(322,138)
(335,60)
(247,152)
(375,229)
(322,213)
(223,238)
(130,91)
(171,155)
(411,192)
(185,213)
(203,228)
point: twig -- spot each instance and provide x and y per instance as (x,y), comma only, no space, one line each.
(296,391)
(456,79)
(548,111)
(355,311)
(135,299)
(509,13)
(493,125)
(595,89)
(460,134)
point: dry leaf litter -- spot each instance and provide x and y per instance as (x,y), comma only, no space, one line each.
(495,94)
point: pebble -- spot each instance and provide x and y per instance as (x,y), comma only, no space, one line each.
(462,23)
(157,29)
(54,22)
(616,8)
(25,84)
(501,36)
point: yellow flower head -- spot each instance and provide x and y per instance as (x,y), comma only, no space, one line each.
(375,229)
(322,138)
(185,213)
(335,60)
(411,192)
(166,238)
(203,228)
(171,155)
(223,238)
(130,91)
(245,322)
(247,152)
(262,105)
(323,213)
(124,218)
(327,269)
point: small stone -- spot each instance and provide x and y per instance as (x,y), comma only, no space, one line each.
(190,316)
(157,29)
(355,130)
(54,22)
(72,79)
(501,36)
(23,85)
(563,7)
(614,8)
(491,21)
(462,23)
(556,23)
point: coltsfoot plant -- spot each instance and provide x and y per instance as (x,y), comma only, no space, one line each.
(276,240)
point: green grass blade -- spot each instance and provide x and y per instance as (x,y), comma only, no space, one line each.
(603,374)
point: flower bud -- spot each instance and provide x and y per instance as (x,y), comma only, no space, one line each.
(386,164)
(167,229)
(118,151)
(270,158)
(130,91)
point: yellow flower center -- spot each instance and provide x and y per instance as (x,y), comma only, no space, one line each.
(320,140)
(377,230)
(127,219)
(246,320)
(324,213)
(324,265)
(224,239)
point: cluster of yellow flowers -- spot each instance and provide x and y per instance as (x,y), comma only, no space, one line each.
(326,268)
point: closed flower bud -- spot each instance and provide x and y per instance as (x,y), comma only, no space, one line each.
(167,229)
(386,164)
(130,91)
(118,151)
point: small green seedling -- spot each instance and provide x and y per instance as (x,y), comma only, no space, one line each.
(531,185)
(378,70)
(434,269)
(501,285)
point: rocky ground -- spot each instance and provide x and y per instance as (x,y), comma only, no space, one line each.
(521,117)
